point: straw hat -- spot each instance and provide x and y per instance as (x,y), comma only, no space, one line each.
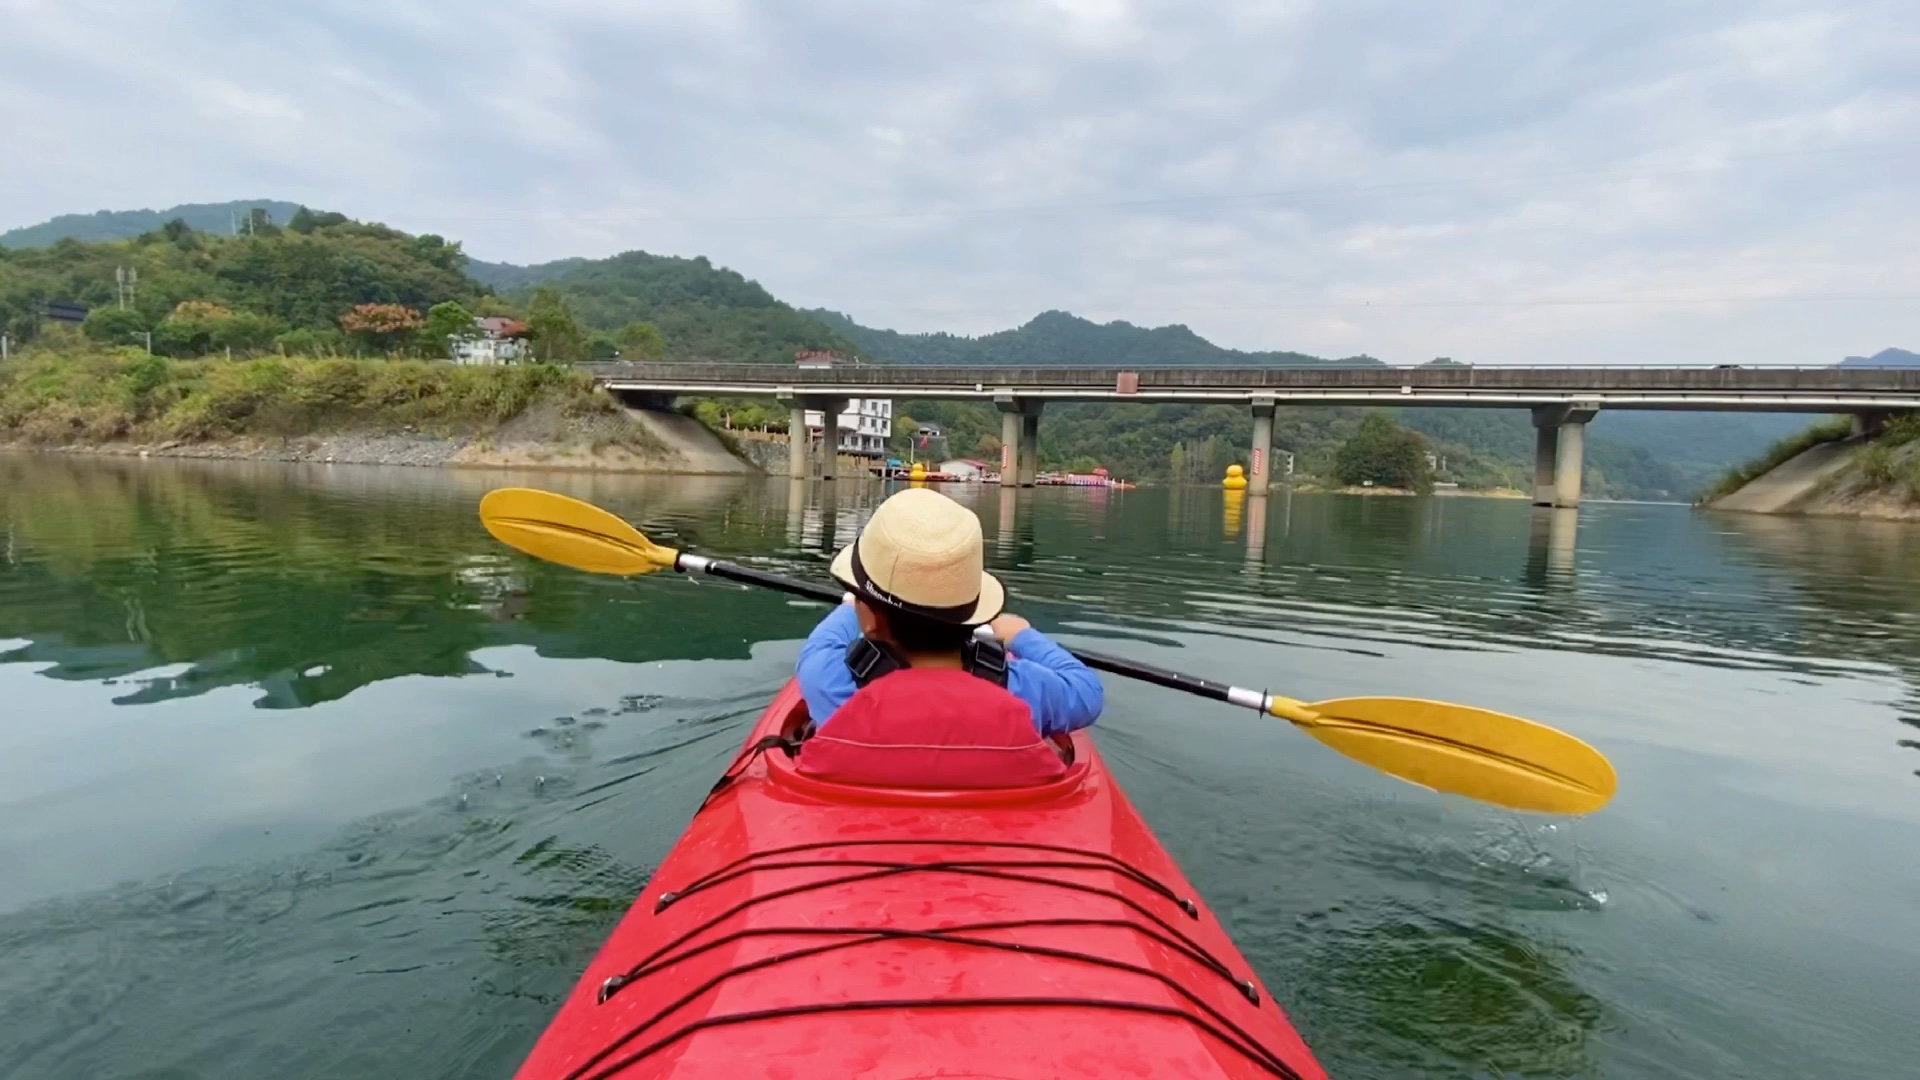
(921,553)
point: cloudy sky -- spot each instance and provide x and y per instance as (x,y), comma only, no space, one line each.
(1630,181)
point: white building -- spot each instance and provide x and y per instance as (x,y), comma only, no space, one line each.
(498,341)
(864,428)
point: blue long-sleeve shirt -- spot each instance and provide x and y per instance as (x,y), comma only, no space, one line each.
(1063,693)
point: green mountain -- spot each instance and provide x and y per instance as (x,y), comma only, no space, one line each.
(301,278)
(704,313)
(506,277)
(219,218)
(1055,338)
(242,292)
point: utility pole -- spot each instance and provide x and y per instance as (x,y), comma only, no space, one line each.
(148,334)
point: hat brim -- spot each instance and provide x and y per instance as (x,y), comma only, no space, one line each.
(993,595)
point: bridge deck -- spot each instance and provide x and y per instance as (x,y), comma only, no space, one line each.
(1720,388)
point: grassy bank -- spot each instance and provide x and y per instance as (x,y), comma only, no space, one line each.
(118,395)
(1877,478)
(1832,429)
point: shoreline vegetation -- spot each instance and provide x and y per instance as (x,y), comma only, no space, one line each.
(402,412)
(1829,471)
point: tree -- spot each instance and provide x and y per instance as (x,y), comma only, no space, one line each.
(381,327)
(449,322)
(1382,452)
(191,328)
(114,326)
(641,341)
(247,332)
(987,446)
(1177,464)
(550,323)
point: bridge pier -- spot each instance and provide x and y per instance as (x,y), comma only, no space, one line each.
(1260,458)
(1559,451)
(797,441)
(830,409)
(1009,450)
(1030,446)
(1019,439)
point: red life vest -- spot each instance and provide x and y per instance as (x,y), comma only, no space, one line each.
(932,728)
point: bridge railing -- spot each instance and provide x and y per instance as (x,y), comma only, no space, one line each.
(1032,379)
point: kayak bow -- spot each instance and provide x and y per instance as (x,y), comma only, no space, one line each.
(806,929)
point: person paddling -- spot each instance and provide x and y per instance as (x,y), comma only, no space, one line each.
(899,689)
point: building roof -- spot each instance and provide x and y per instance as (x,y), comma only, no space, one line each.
(501,326)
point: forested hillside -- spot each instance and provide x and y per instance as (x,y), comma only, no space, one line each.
(224,218)
(300,281)
(703,312)
(274,288)
(1055,338)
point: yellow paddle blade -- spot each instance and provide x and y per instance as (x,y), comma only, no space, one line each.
(1459,749)
(570,532)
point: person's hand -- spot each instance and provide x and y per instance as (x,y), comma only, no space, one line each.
(1008,626)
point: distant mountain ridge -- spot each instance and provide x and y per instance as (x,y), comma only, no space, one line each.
(506,277)
(1055,338)
(1885,358)
(127,224)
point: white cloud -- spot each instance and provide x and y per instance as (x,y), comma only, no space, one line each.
(1405,181)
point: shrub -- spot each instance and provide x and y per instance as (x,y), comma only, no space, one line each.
(1876,464)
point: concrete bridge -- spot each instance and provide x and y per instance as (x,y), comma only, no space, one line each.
(1561,399)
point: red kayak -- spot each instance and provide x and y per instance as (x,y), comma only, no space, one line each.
(806,929)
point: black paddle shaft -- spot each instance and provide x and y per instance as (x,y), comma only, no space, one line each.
(746,575)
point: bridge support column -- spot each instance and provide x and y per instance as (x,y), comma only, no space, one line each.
(1870,423)
(1260,458)
(829,409)
(1546,448)
(1009,450)
(1559,450)
(1019,439)
(797,441)
(1030,445)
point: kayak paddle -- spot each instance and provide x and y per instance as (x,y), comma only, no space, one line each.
(1458,749)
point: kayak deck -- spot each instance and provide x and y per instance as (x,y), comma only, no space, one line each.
(805,929)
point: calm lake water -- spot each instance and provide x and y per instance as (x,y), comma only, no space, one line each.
(301,774)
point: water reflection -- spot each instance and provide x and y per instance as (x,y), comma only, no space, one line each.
(1444,997)
(1752,678)
(1551,545)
